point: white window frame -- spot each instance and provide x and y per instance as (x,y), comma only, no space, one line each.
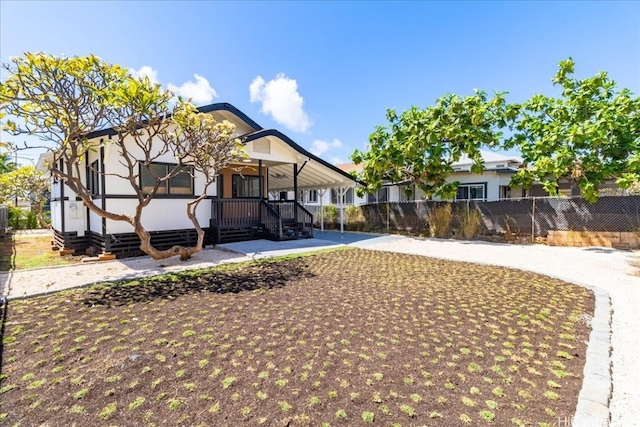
(312,197)
(469,186)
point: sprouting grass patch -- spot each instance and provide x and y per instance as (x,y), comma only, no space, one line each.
(375,338)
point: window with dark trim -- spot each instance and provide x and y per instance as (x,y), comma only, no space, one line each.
(312,196)
(182,183)
(348,197)
(504,192)
(471,192)
(220,186)
(403,196)
(381,196)
(245,186)
(93,179)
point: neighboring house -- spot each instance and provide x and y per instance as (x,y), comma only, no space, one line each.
(492,184)
(238,208)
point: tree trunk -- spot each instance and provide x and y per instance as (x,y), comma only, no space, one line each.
(185,252)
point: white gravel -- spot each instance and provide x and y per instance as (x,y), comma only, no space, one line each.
(51,279)
(610,270)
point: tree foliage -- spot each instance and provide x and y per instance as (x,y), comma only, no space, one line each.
(25,183)
(6,160)
(420,145)
(589,134)
(63,100)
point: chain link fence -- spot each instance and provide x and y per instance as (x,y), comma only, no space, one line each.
(525,220)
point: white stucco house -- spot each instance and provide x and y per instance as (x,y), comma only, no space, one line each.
(491,185)
(238,207)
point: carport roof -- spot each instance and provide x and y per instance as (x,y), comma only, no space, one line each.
(313,172)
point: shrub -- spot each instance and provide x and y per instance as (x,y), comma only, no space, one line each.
(329,215)
(470,221)
(31,220)
(15,217)
(439,219)
(354,217)
(511,228)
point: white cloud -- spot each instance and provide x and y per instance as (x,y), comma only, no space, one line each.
(199,92)
(146,71)
(319,147)
(281,100)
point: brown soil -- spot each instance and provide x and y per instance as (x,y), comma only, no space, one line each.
(348,337)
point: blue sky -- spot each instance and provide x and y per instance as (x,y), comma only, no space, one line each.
(325,72)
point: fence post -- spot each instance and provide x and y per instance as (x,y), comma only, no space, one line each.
(388,217)
(533,221)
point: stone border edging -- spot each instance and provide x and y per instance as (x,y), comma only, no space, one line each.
(593,401)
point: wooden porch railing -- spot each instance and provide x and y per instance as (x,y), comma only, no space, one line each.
(272,221)
(273,216)
(293,212)
(228,213)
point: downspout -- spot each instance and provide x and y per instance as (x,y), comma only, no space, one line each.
(62,207)
(103,192)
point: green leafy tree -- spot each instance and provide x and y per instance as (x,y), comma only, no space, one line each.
(6,159)
(25,183)
(62,100)
(587,135)
(420,145)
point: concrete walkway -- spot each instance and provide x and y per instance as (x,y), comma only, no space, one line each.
(610,273)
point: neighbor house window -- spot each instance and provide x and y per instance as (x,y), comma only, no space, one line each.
(348,197)
(470,192)
(93,179)
(181,183)
(403,196)
(312,196)
(381,196)
(245,186)
(505,192)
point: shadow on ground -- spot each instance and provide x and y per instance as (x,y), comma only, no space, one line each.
(260,275)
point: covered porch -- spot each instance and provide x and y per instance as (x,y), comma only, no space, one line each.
(277,166)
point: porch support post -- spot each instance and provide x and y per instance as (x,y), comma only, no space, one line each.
(321,195)
(342,192)
(261,190)
(295,192)
(261,185)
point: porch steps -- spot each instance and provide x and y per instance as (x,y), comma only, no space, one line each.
(290,231)
(295,231)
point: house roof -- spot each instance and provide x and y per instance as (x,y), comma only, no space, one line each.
(350,167)
(488,157)
(313,172)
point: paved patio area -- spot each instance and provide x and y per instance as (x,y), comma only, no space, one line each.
(321,240)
